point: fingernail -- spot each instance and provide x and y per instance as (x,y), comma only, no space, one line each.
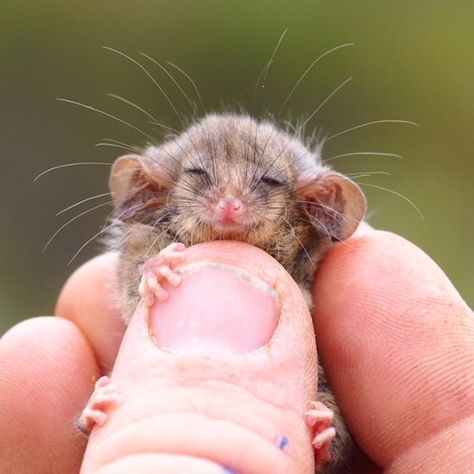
(216,309)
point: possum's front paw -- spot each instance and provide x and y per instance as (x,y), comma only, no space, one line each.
(159,269)
(104,397)
(319,419)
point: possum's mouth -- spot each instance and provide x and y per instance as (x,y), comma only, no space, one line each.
(230,229)
(227,227)
(229,233)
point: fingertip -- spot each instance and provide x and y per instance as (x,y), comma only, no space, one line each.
(378,268)
(390,324)
(86,282)
(377,277)
(89,300)
(46,373)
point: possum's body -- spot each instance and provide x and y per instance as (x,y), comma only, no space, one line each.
(231,177)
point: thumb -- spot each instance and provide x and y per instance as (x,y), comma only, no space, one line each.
(217,378)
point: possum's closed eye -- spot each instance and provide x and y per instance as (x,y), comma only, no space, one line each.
(196,171)
(271,181)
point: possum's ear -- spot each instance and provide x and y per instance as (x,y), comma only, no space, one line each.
(139,186)
(334,204)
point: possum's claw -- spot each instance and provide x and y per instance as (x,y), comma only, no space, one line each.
(159,269)
(319,419)
(105,396)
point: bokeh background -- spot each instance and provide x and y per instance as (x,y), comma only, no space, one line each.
(411,60)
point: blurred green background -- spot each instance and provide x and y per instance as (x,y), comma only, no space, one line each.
(411,60)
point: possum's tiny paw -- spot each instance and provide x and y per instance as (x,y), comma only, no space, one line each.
(105,396)
(319,419)
(159,269)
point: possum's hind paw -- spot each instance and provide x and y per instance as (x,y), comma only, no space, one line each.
(319,419)
(159,269)
(105,396)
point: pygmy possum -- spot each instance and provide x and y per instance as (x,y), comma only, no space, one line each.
(230,177)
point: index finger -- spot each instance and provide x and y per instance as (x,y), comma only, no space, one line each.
(398,345)
(89,299)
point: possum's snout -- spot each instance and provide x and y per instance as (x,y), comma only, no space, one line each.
(229,210)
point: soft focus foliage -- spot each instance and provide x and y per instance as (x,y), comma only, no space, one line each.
(411,60)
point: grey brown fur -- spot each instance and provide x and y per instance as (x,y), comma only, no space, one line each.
(295,208)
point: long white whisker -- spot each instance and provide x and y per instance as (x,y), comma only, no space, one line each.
(360,174)
(262,77)
(175,82)
(126,236)
(283,105)
(359,153)
(82,202)
(165,95)
(101,231)
(188,77)
(299,241)
(157,222)
(132,104)
(328,211)
(367,124)
(118,142)
(89,107)
(272,58)
(116,145)
(162,125)
(396,194)
(67,165)
(327,99)
(72,220)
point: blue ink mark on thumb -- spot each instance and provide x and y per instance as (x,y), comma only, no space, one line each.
(228,470)
(282,441)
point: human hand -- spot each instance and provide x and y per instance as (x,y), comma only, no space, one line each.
(397,342)
(364,332)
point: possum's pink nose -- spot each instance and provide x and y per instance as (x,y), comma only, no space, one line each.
(229,209)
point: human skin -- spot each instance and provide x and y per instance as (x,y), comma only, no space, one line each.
(395,337)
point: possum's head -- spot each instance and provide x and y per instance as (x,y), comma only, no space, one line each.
(231,177)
